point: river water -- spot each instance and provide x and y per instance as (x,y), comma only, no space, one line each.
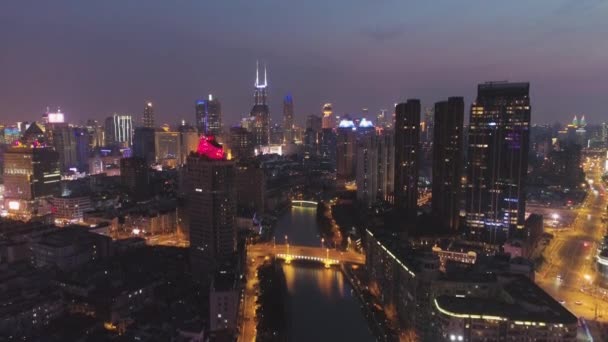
(322,306)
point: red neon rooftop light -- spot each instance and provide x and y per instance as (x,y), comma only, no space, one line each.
(209,148)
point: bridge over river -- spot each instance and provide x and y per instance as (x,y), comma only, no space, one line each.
(289,252)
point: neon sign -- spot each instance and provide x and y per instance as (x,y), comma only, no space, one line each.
(209,148)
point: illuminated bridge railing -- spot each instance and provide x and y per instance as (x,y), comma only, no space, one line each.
(289,257)
(303,203)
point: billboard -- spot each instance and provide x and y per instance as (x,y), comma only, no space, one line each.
(56,118)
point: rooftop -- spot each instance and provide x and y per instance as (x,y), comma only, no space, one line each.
(524,301)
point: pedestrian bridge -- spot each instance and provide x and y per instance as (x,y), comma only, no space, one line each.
(288,252)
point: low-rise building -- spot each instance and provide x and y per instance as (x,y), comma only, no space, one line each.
(71,209)
(69,248)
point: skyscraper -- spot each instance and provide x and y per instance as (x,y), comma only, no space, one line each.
(346,140)
(498,160)
(367,169)
(386,163)
(148,115)
(328,117)
(119,130)
(407,151)
(210,180)
(288,119)
(144,144)
(209,116)
(64,141)
(260,112)
(447,161)
(241,143)
(30,174)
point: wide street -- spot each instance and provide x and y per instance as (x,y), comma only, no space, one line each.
(568,273)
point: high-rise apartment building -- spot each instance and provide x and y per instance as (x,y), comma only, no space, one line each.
(346,141)
(386,163)
(260,112)
(498,146)
(148,115)
(367,169)
(288,129)
(119,130)
(447,161)
(209,116)
(407,154)
(211,196)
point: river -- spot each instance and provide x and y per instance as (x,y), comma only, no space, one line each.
(322,306)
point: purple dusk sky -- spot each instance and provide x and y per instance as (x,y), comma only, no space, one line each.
(94,58)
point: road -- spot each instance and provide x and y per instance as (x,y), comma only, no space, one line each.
(568,273)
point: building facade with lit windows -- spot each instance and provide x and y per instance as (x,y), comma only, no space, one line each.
(288,125)
(31,177)
(71,209)
(447,162)
(367,169)
(209,116)
(167,148)
(407,155)
(498,144)
(346,147)
(211,202)
(148,119)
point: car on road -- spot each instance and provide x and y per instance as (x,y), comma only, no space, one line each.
(578,302)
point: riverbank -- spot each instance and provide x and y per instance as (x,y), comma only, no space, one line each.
(273,313)
(375,316)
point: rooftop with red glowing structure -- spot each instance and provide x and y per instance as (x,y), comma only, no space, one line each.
(210,148)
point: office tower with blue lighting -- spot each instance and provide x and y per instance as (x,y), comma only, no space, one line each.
(209,116)
(288,131)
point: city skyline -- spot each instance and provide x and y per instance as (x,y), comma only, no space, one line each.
(94,81)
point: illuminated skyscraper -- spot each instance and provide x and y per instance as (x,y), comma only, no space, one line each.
(209,116)
(149,115)
(30,174)
(260,112)
(407,154)
(498,160)
(447,161)
(328,117)
(210,180)
(119,130)
(288,119)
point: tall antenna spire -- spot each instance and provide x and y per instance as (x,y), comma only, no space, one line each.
(265,79)
(257,73)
